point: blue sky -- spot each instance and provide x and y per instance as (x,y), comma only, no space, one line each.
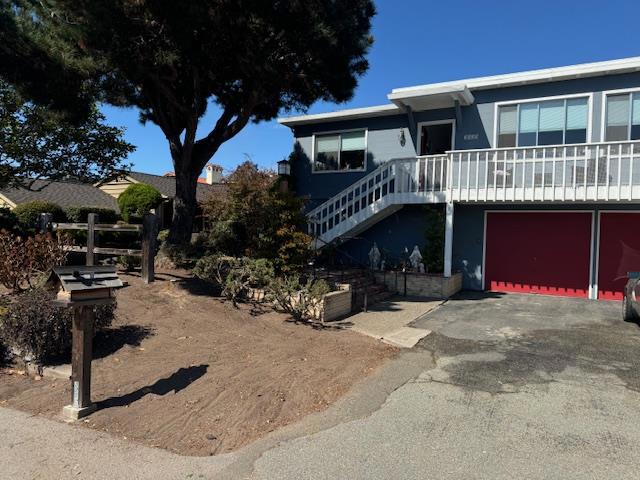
(425,41)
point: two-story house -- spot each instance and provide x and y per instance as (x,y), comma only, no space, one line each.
(538,173)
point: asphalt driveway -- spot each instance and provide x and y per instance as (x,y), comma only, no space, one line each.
(521,386)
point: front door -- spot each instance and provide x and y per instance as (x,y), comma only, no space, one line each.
(436,138)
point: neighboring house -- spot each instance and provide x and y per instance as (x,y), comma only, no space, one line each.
(166,185)
(538,173)
(63,193)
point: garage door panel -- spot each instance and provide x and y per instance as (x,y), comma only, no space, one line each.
(538,252)
(619,252)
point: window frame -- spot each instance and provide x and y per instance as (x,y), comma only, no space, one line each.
(603,113)
(517,103)
(339,132)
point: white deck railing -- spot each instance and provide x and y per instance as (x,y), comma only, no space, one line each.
(607,172)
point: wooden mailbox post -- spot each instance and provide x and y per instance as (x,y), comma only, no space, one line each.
(82,288)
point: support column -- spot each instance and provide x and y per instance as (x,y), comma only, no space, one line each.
(81,355)
(448,238)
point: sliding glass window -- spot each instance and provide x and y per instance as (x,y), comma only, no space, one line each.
(340,151)
(552,122)
(622,117)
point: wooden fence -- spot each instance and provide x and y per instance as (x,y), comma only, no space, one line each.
(148,230)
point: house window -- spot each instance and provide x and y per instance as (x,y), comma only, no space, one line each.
(340,151)
(622,117)
(550,122)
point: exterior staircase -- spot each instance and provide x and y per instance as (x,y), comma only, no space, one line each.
(377,195)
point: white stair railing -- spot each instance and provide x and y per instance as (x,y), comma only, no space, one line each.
(396,182)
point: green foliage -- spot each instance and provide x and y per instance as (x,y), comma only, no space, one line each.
(433,252)
(300,299)
(80,214)
(29,213)
(171,60)
(33,325)
(28,262)
(129,262)
(8,220)
(234,276)
(138,199)
(242,227)
(37,143)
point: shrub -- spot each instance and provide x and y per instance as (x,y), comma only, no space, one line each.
(8,220)
(137,200)
(299,299)
(28,262)
(80,214)
(234,276)
(129,262)
(226,236)
(433,253)
(29,213)
(41,330)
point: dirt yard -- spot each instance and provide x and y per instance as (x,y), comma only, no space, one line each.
(184,371)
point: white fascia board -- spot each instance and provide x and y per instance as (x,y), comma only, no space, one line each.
(348,114)
(624,65)
(9,202)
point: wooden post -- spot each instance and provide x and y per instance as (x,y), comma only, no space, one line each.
(149,234)
(92,218)
(81,356)
(44,222)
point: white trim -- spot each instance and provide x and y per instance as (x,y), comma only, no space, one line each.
(10,203)
(600,212)
(506,103)
(451,121)
(347,114)
(484,238)
(547,75)
(337,132)
(603,114)
(569,72)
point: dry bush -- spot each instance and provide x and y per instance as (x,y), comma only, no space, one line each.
(25,263)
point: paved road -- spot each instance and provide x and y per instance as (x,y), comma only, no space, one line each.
(505,387)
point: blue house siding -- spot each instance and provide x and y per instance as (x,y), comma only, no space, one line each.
(468,234)
(474,129)
(405,228)
(382,144)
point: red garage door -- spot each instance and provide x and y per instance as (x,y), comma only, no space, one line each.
(619,252)
(538,252)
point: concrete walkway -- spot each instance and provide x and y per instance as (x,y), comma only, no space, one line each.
(389,320)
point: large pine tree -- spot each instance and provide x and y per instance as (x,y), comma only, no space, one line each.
(172,59)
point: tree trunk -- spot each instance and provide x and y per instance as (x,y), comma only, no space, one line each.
(184,207)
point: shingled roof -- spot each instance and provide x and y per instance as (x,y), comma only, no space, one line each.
(63,193)
(167,185)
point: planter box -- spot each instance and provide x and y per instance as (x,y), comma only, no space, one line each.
(426,285)
(336,304)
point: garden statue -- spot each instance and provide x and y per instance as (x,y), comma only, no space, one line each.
(415,258)
(422,268)
(374,257)
(383,265)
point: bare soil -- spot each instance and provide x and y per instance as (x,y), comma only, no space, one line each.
(187,372)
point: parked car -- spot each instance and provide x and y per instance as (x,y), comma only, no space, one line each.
(631,300)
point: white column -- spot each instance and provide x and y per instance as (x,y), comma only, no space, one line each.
(448,238)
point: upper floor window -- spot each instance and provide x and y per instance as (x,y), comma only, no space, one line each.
(622,118)
(549,122)
(340,151)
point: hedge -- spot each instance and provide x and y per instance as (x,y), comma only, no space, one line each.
(28,213)
(80,214)
(138,199)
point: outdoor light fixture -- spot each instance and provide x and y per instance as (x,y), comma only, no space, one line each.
(284,167)
(402,138)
